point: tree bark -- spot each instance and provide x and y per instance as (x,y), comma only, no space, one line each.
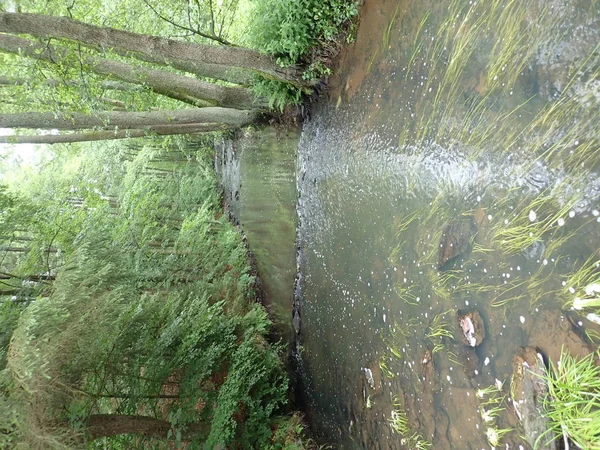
(108,85)
(106,425)
(230,74)
(30,277)
(169,50)
(110,120)
(173,85)
(167,130)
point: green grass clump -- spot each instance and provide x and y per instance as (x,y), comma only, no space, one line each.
(573,402)
(399,423)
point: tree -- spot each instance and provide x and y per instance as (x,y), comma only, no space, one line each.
(159,130)
(179,87)
(112,120)
(161,50)
(107,425)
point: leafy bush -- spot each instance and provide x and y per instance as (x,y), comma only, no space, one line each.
(279,94)
(289,28)
(151,314)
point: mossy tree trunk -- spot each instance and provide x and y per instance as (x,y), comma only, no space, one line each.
(160,49)
(119,120)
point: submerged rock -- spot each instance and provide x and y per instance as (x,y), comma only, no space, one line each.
(529,390)
(472,328)
(554,329)
(535,251)
(373,376)
(456,241)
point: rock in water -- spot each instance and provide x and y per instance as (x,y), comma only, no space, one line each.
(472,328)
(529,390)
(456,241)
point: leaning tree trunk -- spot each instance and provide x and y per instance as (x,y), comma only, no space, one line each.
(170,50)
(108,85)
(230,74)
(166,130)
(107,425)
(173,85)
(124,120)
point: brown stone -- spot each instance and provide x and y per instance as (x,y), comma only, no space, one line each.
(530,389)
(456,241)
(471,327)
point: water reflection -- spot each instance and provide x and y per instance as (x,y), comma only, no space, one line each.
(450,189)
(257,171)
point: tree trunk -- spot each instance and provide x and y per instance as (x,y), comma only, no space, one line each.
(169,50)
(30,277)
(108,85)
(109,120)
(166,130)
(230,74)
(179,87)
(106,425)
(10,292)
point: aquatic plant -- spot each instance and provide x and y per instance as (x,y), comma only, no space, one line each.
(388,31)
(582,286)
(491,407)
(385,368)
(398,419)
(494,435)
(438,330)
(573,401)
(399,422)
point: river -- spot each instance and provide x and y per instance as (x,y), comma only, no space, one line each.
(448,215)
(451,173)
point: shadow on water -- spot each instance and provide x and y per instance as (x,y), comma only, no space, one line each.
(257,171)
(448,216)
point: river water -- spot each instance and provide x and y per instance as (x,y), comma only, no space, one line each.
(451,174)
(258,174)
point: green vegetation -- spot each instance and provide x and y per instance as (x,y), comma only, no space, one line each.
(144,332)
(399,423)
(128,308)
(438,330)
(308,32)
(573,401)
(491,406)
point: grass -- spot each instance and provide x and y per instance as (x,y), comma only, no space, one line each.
(438,330)
(399,423)
(573,402)
(491,407)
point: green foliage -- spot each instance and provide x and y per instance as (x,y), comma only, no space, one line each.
(279,94)
(289,434)
(288,29)
(9,316)
(573,401)
(296,32)
(151,312)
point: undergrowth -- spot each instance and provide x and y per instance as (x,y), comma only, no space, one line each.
(305,32)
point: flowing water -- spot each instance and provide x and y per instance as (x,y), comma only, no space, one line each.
(449,181)
(258,172)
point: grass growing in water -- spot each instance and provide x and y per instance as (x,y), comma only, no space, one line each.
(399,423)
(573,402)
